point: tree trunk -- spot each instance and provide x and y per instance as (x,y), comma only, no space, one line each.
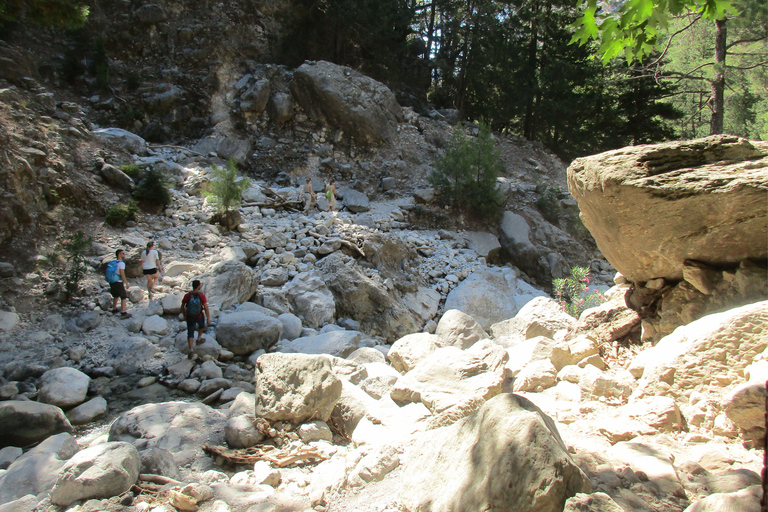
(718,82)
(430,32)
(529,123)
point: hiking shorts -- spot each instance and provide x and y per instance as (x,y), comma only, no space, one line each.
(150,271)
(118,290)
(195,324)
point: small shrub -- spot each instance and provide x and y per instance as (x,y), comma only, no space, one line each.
(132,81)
(226,189)
(75,247)
(153,188)
(573,293)
(466,174)
(549,201)
(119,215)
(131,170)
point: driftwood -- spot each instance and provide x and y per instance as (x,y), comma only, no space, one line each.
(158,479)
(353,247)
(275,456)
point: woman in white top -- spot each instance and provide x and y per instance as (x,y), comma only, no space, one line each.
(150,262)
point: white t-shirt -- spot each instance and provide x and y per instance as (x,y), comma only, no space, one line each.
(120,266)
(150,260)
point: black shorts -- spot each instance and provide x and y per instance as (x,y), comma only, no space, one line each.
(150,271)
(118,290)
(192,324)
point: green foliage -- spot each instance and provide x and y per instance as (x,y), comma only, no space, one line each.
(152,188)
(132,81)
(67,14)
(75,247)
(549,201)
(466,174)
(635,29)
(226,189)
(119,214)
(573,293)
(131,170)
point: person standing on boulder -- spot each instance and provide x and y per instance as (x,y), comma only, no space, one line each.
(150,262)
(330,194)
(309,195)
(118,283)
(194,307)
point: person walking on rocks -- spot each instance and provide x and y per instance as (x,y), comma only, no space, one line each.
(150,262)
(118,283)
(194,307)
(330,194)
(309,195)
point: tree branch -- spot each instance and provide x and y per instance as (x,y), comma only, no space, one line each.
(671,37)
(763,63)
(743,41)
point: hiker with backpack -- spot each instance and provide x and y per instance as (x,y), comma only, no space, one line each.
(151,265)
(194,307)
(118,283)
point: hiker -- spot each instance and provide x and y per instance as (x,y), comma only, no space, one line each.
(309,195)
(330,194)
(150,262)
(118,283)
(194,307)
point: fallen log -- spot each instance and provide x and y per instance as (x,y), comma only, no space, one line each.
(278,457)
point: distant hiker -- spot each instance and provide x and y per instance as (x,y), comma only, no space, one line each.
(330,194)
(194,307)
(150,262)
(309,195)
(118,284)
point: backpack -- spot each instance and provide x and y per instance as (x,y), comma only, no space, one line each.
(194,306)
(112,275)
(328,194)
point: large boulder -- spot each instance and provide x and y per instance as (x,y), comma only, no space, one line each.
(540,317)
(310,298)
(451,377)
(181,428)
(709,355)
(516,241)
(485,244)
(102,471)
(355,201)
(225,147)
(64,387)
(244,332)
(229,283)
(506,456)
(343,98)
(295,387)
(650,208)
(36,471)
(23,423)
(339,343)
(406,352)
(381,312)
(127,140)
(457,329)
(490,295)
(129,354)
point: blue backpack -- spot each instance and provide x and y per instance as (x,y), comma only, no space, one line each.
(112,275)
(194,306)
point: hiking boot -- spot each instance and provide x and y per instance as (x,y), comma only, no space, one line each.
(125,314)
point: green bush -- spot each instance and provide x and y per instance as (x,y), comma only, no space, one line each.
(131,170)
(573,293)
(152,188)
(226,188)
(466,174)
(75,247)
(118,215)
(549,201)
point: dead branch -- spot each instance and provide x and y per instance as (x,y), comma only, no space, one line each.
(353,247)
(275,456)
(158,479)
